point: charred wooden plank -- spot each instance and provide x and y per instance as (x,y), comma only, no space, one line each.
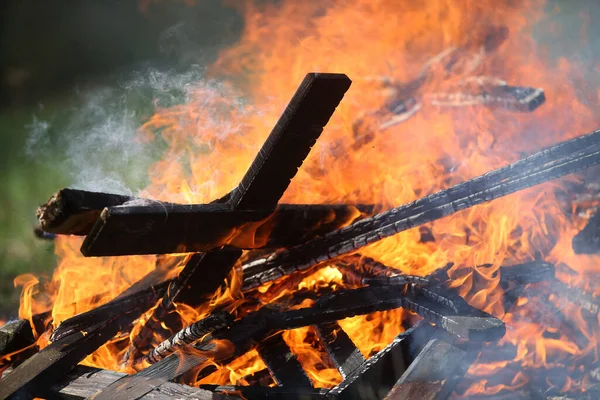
(343,353)
(290,141)
(258,325)
(259,378)
(377,375)
(138,301)
(282,363)
(551,163)
(192,286)
(85,382)
(281,392)
(15,335)
(58,358)
(588,240)
(158,228)
(73,212)
(261,188)
(190,334)
(564,293)
(490,92)
(433,374)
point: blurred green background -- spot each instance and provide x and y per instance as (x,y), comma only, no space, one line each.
(60,59)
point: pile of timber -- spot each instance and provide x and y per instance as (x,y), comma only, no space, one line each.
(285,241)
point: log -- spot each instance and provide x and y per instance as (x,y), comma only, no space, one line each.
(341,350)
(554,162)
(174,228)
(72,211)
(85,382)
(588,240)
(283,364)
(267,178)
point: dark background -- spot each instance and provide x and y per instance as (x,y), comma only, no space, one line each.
(53,52)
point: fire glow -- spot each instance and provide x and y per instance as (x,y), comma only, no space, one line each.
(213,138)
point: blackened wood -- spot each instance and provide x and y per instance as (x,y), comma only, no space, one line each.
(84,382)
(73,212)
(138,302)
(175,228)
(490,92)
(283,364)
(58,358)
(259,378)
(529,272)
(343,352)
(433,374)
(15,336)
(588,240)
(564,293)
(281,392)
(190,334)
(551,163)
(261,188)
(253,328)
(200,277)
(290,141)
(376,376)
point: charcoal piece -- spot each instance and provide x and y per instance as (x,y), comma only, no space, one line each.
(138,302)
(588,240)
(73,212)
(281,392)
(15,335)
(85,382)
(290,141)
(435,371)
(159,228)
(377,375)
(426,235)
(343,353)
(284,367)
(190,334)
(551,163)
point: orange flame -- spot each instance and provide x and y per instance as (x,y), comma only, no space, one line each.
(379,44)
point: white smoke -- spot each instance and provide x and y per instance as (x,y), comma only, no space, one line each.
(96,143)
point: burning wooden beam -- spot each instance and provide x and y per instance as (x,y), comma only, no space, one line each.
(85,382)
(275,165)
(190,334)
(548,164)
(15,335)
(588,240)
(283,364)
(75,211)
(433,374)
(138,301)
(343,352)
(160,228)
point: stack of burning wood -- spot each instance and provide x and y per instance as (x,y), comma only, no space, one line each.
(278,243)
